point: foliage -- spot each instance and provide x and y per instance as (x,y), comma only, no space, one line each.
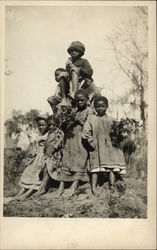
(120,130)
(20,121)
(66,115)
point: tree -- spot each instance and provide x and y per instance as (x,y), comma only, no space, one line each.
(130,49)
(20,121)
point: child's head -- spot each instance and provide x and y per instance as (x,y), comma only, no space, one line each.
(81,97)
(101,105)
(57,73)
(53,121)
(76,50)
(42,124)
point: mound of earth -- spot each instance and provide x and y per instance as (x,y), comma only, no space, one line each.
(128,201)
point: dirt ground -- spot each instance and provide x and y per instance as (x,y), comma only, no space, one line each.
(128,201)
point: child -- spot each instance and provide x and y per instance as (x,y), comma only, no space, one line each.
(103,157)
(62,77)
(74,154)
(78,68)
(52,153)
(30,180)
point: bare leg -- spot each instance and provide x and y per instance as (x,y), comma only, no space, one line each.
(61,189)
(74,82)
(73,188)
(94,183)
(112,181)
(44,186)
(22,191)
(54,108)
(26,195)
(62,88)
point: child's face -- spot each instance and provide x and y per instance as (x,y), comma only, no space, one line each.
(81,101)
(57,75)
(42,126)
(75,54)
(100,108)
(51,122)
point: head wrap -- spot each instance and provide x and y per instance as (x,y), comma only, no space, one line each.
(83,92)
(77,46)
(101,98)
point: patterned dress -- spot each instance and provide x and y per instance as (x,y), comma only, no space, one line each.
(30,178)
(74,154)
(102,156)
(54,152)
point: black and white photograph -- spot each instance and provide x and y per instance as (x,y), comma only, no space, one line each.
(76,111)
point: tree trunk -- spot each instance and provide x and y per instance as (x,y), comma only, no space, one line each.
(142,106)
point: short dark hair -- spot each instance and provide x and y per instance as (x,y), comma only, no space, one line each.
(60,69)
(101,98)
(81,91)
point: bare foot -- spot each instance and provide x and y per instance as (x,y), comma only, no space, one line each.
(38,194)
(71,192)
(59,193)
(21,192)
(25,195)
(95,192)
(112,189)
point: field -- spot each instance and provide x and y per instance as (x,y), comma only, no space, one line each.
(128,201)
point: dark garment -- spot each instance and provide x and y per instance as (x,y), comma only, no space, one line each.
(54,142)
(97,133)
(86,70)
(74,154)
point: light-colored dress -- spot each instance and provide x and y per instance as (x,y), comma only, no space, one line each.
(74,154)
(30,178)
(102,156)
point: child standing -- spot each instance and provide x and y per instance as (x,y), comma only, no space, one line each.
(103,157)
(30,180)
(74,154)
(79,69)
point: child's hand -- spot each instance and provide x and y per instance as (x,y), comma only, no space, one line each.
(77,120)
(69,62)
(92,145)
(76,69)
(72,66)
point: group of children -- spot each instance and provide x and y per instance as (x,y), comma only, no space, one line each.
(83,149)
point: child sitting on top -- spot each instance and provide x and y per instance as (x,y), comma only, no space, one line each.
(79,69)
(62,77)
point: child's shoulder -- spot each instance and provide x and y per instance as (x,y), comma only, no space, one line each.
(110,118)
(83,60)
(92,117)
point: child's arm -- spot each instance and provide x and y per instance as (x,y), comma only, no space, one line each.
(85,69)
(53,145)
(70,66)
(88,134)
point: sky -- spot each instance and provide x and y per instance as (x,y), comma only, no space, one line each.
(36,42)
